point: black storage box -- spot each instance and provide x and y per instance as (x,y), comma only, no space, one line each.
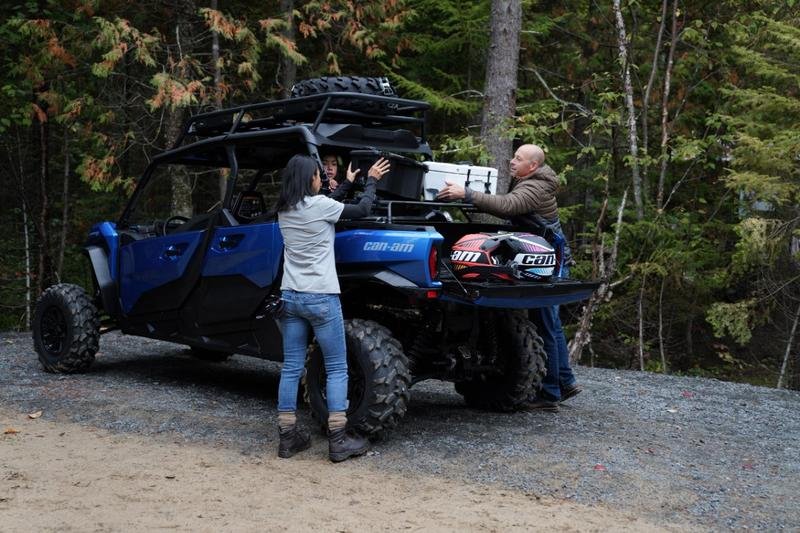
(404,179)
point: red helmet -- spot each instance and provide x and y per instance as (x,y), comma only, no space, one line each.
(503,256)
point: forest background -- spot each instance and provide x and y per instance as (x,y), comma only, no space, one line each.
(674,127)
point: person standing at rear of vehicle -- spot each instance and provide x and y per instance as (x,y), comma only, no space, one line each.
(531,203)
(310,290)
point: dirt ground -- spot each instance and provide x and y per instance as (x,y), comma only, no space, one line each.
(151,438)
(68,477)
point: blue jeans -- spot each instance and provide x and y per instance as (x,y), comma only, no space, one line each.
(559,374)
(322,313)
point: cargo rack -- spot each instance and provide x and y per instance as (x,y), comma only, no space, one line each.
(314,109)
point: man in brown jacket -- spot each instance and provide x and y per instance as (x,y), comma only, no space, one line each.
(531,203)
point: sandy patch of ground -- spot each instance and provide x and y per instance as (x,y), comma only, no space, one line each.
(69,477)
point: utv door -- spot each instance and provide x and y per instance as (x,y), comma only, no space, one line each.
(241,265)
(155,273)
(163,238)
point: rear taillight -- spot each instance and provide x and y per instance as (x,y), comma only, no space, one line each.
(433,263)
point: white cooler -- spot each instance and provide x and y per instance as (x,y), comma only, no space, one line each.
(482,179)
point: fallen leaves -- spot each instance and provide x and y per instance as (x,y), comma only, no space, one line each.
(10,431)
(687,394)
(34,416)
(600,468)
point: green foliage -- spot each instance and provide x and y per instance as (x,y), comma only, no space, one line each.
(764,113)
(756,245)
(732,319)
(462,148)
(105,84)
(439,102)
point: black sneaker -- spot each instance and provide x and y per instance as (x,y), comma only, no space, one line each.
(541,404)
(570,392)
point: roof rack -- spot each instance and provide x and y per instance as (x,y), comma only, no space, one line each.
(334,107)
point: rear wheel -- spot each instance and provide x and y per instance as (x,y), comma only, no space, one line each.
(521,360)
(378,379)
(354,84)
(66,329)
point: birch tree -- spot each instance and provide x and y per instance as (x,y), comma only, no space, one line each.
(624,60)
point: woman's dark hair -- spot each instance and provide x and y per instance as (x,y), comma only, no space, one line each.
(296,181)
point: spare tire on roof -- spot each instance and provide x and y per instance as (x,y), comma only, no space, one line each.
(353,84)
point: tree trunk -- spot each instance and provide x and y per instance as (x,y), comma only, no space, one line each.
(223,182)
(181,189)
(25,236)
(641,324)
(622,43)
(44,213)
(288,67)
(181,202)
(646,97)
(782,375)
(661,327)
(665,107)
(501,84)
(583,335)
(65,211)
(28,272)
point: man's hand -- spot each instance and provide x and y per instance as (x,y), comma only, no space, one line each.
(451,192)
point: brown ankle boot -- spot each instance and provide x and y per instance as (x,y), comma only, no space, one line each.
(343,445)
(292,441)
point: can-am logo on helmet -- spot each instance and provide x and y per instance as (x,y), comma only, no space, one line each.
(465,256)
(537,260)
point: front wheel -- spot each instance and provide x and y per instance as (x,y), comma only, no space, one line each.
(66,329)
(378,379)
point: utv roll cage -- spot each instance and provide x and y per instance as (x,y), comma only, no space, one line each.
(314,111)
(312,121)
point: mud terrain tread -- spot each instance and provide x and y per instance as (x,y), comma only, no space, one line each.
(524,370)
(387,393)
(83,329)
(353,84)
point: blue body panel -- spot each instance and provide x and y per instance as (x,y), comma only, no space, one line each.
(108,232)
(150,263)
(253,251)
(405,253)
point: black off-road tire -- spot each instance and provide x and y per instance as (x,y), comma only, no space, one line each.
(205,354)
(66,329)
(354,84)
(523,360)
(378,376)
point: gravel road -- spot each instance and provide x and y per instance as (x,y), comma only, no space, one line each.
(673,450)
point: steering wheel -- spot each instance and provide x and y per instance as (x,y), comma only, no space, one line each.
(172,223)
